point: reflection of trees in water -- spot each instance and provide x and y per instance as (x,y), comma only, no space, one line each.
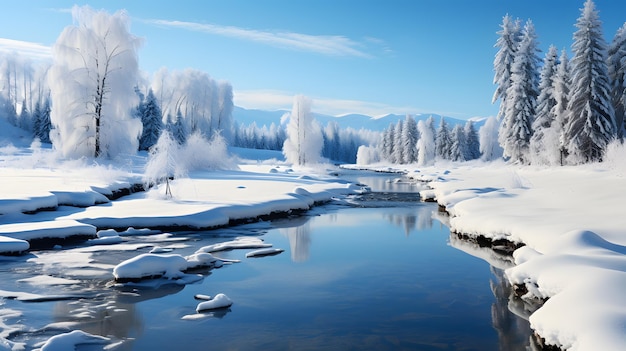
(513,331)
(418,218)
(299,241)
(114,316)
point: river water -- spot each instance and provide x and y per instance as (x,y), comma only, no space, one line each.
(377,272)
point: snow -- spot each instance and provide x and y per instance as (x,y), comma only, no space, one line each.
(571,220)
(264,252)
(70,341)
(219,301)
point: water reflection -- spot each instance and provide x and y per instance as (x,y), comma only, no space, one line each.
(513,331)
(299,241)
(418,218)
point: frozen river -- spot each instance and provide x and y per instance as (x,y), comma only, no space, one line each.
(373,273)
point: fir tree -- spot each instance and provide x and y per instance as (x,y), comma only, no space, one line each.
(472,149)
(151,119)
(591,124)
(25,119)
(617,76)
(457,147)
(37,119)
(561,88)
(543,144)
(409,140)
(521,99)
(443,141)
(398,149)
(45,125)
(178,130)
(507,44)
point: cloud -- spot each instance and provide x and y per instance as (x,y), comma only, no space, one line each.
(279,100)
(25,48)
(330,45)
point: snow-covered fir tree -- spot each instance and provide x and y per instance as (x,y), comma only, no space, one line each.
(41,121)
(409,140)
(458,145)
(472,148)
(443,141)
(387,144)
(151,119)
(426,142)
(178,128)
(617,76)
(544,142)
(591,124)
(25,118)
(398,148)
(561,91)
(521,98)
(507,44)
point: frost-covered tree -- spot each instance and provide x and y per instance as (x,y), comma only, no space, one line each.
(387,144)
(304,136)
(459,143)
(163,163)
(507,44)
(443,141)
(426,142)
(224,121)
(151,119)
(367,155)
(92,85)
(561,90)
(521,98)
(591,123)
(617,76)
(488,135)
(398,147)
(25,119)
(205,104)
(178,128)
(409,140)
(472,148)
(544,142)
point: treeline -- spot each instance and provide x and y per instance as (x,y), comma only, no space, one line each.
(564,111)
(339,144)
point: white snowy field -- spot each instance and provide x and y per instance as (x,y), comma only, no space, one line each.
(572,221)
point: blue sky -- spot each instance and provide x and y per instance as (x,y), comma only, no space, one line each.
(349,56)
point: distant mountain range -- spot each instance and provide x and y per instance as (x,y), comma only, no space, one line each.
(355,121)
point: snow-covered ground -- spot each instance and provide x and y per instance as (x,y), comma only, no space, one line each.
(572,221)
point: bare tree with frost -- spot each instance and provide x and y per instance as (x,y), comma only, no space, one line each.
(304,136)
(591,123)
(426,142)
(488,135)
(92,84)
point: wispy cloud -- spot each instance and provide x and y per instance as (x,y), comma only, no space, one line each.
(280,100)
(331,45)
(26,48)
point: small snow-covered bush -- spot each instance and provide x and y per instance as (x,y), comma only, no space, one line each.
(367,155)
(202,154)
(615,155)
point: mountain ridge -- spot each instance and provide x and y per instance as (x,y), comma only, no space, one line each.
(353,120)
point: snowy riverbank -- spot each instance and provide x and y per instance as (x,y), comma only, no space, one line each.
(571,220)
